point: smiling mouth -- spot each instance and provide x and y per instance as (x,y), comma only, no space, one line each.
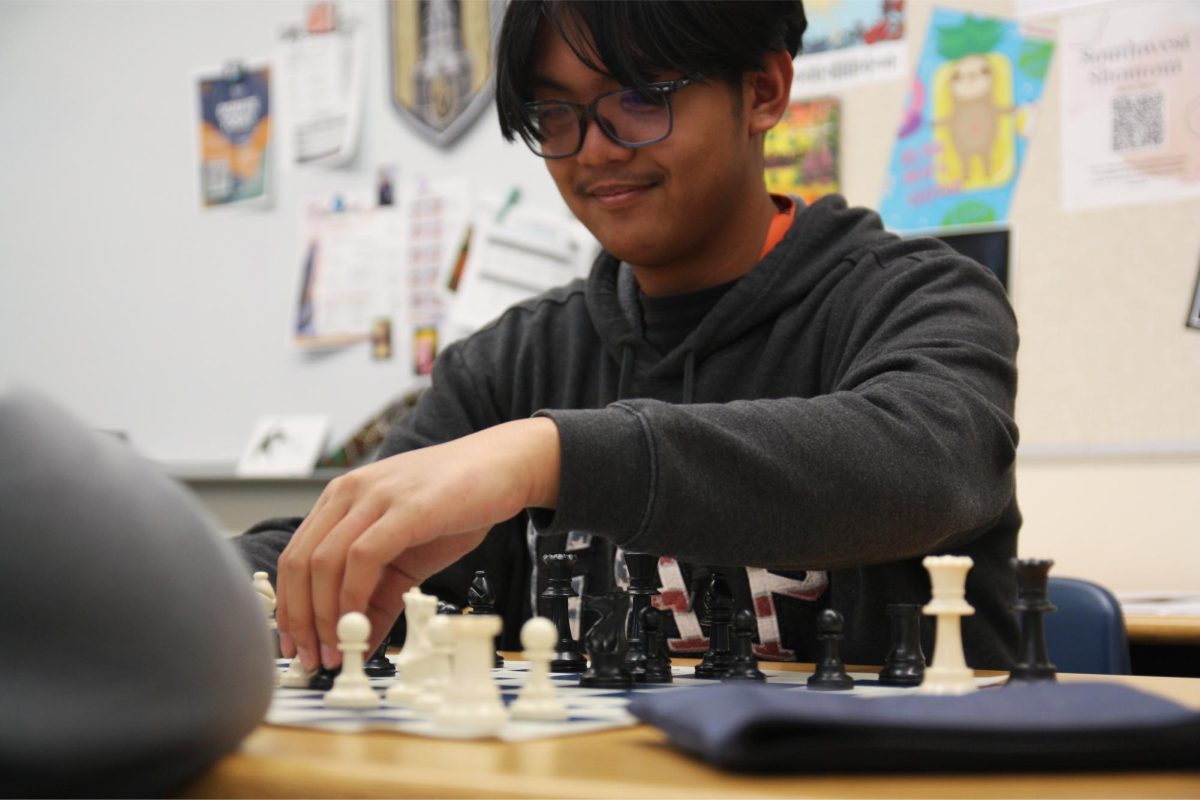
(619,195)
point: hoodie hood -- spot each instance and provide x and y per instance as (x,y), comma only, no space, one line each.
(821,236)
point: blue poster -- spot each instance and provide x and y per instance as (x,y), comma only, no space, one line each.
(963,133)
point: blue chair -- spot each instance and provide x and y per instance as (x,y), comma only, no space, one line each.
(1087,632)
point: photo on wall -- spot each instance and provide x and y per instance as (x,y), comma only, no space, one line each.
(802,151)
(966,125)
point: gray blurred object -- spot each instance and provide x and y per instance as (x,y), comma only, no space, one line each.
(133,651)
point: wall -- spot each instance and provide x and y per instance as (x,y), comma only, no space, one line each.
(120,299)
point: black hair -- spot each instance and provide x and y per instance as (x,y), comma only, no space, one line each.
(636,41)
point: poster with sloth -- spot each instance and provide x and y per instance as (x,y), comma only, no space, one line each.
(964,129)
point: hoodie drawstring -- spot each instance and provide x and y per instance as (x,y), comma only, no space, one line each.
(689,372)
(623,388)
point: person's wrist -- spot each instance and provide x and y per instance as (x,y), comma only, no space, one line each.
(544,461)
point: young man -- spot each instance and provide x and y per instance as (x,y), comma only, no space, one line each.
(741,382)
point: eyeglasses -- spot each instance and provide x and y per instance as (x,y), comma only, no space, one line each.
(630,117)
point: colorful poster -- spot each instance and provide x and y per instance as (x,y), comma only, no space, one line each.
(1131,105)
(802,150)
(964,130)
(850,43)
(235,133)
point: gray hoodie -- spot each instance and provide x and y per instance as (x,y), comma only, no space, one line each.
(844,410)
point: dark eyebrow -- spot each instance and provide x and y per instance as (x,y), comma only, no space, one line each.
(546,82)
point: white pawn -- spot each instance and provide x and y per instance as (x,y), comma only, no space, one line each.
(948,672)
(296,676)
(437,676)
(352,687)
(537,698)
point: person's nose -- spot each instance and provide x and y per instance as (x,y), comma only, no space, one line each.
(598,149)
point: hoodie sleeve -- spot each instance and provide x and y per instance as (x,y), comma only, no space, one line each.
(909,449)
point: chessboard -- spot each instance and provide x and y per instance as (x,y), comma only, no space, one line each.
(589,709)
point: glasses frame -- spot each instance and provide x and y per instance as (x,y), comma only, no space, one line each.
(585,113)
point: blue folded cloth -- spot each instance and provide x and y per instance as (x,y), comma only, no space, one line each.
(1036,726)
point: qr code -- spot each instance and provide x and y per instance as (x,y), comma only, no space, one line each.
(1137,121)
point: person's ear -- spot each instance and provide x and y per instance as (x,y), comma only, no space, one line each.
(768,91)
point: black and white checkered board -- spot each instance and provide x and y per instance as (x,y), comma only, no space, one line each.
(589,709)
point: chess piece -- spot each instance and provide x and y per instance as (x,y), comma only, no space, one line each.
(744,666)
(905,664)
(322,680)
(471,704)
(1033,603)
(266,593)
(352,687)
(415,658)
(719,602)
(606,643)
(643,585)
(482,600)
(379,665)
(657,666)
(948,673)
(831,674)
(296,676)
(537,698)
(432,691)
(446,607)
(555,600)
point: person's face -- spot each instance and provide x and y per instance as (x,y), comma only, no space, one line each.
(660,205)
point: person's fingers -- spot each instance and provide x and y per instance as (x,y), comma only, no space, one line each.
(327,565)
(387,603)
(294,582)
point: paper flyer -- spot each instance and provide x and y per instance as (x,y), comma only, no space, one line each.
(235,135)
(850,43)
(323,80)
(802,150)
(1131,105)
(965,127)
(353,276)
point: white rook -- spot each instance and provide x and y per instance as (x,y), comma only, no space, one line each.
(472,705)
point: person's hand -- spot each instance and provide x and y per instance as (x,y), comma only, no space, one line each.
(378,531)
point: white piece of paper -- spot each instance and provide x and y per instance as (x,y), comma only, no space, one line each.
(322,90)
(510,261)
(1131,105)
(284,446)
(835,71)
(1160,604)
(354,275)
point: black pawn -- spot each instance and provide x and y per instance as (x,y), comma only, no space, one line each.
(905,664)
(831,673)
(606,643)
(745,665)
(379,665)
(322,680)
(657,666)
(482,600)
(444,607)
(554,602)
(719,601)
(643,585)
(1033,603)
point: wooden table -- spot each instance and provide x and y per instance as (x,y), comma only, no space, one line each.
(1156,629)
(628,763)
